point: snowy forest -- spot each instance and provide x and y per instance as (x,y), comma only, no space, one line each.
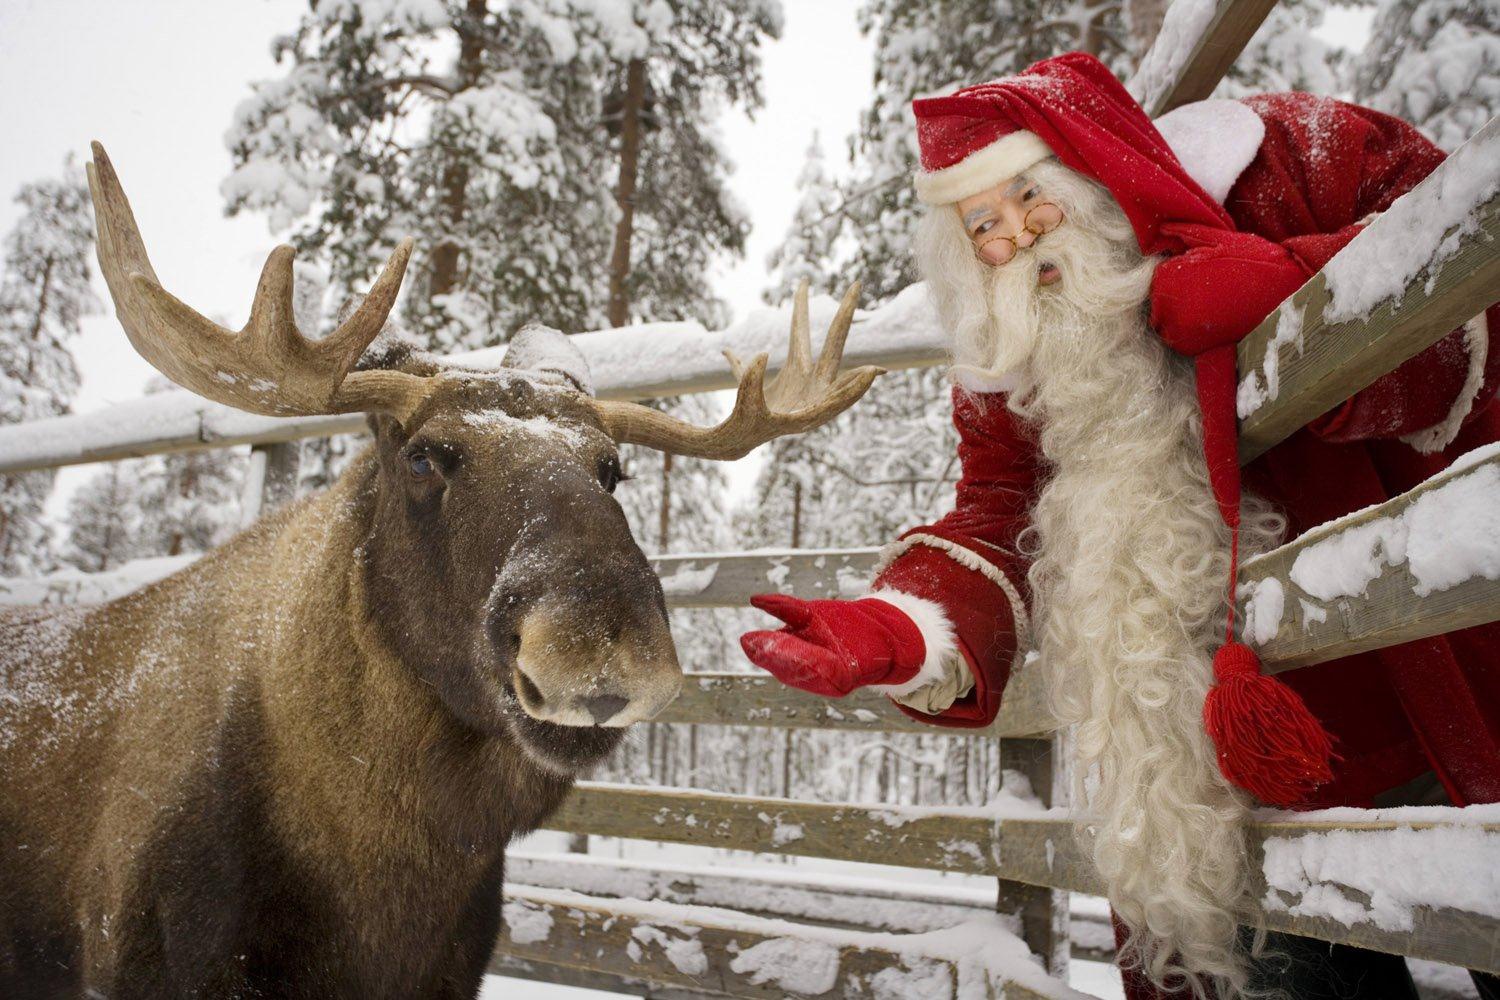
(561,161)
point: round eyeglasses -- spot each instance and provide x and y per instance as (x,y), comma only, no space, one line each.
(1001,250)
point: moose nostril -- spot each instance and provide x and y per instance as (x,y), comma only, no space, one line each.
(529,692)
(603,707)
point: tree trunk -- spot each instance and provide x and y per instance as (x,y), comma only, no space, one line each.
(455,176)
(1094,30)
(36,324)
(664,515)
(786,763)
(797,515)
(1144,17)
(630,153)
(109,525)
(693,755)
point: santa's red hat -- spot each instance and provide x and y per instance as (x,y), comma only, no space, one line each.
(1072,107)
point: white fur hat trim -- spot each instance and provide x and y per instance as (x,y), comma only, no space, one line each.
(1000,160)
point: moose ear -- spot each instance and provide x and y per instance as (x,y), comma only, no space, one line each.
(551,355)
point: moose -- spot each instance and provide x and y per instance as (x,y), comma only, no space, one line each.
(292,769)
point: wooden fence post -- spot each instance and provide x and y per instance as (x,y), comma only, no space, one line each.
(1043,912)
(271,479)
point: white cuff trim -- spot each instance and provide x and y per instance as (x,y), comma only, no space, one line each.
(1214,140)
(969,559)
(977,380)
(937,634)
(1001,160)
(1441,435)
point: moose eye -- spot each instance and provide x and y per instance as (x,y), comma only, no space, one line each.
(420,464)
(610,473)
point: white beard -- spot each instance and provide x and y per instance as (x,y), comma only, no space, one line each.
(1131,563)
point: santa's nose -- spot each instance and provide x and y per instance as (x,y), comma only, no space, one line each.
(1025,238)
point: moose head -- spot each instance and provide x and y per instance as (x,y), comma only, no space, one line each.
(499,567)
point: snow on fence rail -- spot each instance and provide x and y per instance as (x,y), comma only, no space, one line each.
(727,953)
(827,899)
(1198,42)
(1423,882)
(1426,265)
(1423,563)
(639,362)
(823,898)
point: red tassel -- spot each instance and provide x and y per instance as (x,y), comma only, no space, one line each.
(1269,743)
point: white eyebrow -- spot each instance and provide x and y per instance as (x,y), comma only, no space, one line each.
(1016,185)
(974,214)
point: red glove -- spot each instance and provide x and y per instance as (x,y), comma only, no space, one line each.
(1221,288)
(832,647)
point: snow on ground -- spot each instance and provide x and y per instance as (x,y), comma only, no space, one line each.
(502,988)
(1441,982)
(1099,979)
(548,848)
(71,586)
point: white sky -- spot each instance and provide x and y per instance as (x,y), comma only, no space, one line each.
(157,82)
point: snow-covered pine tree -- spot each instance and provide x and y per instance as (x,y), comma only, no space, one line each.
(187,501)
(1434,63)
(44,294)
(104,519)
(499,160)
(504,161)
(1284,54)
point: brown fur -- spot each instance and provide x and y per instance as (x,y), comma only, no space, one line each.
(291,769)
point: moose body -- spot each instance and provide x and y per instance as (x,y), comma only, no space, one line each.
(273,806)
(291,770)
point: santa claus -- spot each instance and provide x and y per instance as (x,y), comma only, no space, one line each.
(1095,270)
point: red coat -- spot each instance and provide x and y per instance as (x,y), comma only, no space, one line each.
(1395,713)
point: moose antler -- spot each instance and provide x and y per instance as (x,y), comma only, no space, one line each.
(269,367)
(803,395)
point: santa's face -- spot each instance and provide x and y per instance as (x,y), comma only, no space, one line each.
(1009,218)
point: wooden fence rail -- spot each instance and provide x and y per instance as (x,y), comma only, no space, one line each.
(1194,49)
(1423,563)
(1041,849)
(821,899)
(1333,337)
(725,953)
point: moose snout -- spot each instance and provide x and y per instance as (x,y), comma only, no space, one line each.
(572,670)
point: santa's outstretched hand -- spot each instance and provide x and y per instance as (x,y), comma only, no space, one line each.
(832,647)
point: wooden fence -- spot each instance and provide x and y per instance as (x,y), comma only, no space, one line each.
(676,932)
